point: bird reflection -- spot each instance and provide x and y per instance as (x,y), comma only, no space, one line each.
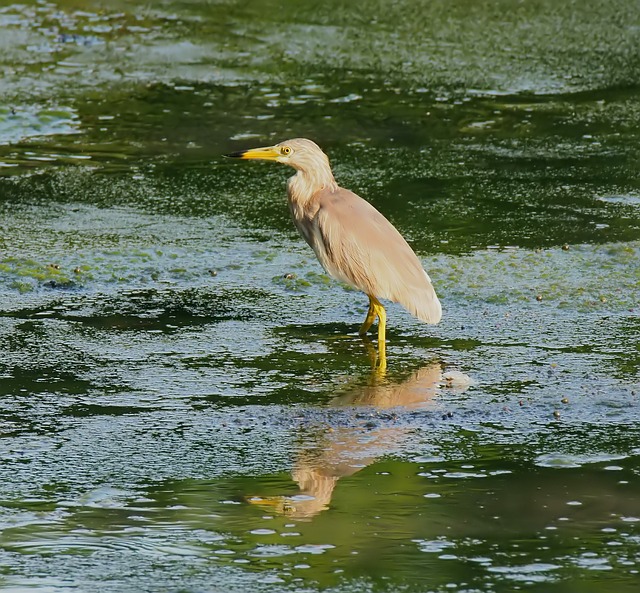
(343,451)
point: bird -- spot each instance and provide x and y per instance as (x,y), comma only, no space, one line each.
(352,240)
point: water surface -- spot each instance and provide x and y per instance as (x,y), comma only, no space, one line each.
(186,405)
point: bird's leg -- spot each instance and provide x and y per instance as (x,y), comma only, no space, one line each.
(382,343)
(377,310)
(381,314)
(371,316)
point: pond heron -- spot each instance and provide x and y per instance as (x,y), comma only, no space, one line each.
(354,242)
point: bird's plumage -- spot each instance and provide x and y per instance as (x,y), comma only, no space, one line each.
(354,242)
(351,238)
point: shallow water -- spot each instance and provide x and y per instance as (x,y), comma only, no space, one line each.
(186,405)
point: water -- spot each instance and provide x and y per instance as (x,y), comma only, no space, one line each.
(186,405)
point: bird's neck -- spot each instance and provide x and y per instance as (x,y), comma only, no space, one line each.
(304,184)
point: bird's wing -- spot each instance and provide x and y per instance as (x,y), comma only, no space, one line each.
(356,244)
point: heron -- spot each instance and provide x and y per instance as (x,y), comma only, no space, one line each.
(352,240)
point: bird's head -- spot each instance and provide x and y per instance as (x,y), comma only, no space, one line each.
(300,153)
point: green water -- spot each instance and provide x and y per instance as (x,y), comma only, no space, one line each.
(185,403)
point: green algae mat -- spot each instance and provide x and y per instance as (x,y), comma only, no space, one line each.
(186,406)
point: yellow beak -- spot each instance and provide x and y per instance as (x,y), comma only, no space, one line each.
(268,153)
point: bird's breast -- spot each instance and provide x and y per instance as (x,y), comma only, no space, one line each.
(305,220)
(302,221)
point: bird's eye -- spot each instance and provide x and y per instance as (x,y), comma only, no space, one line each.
(285,150)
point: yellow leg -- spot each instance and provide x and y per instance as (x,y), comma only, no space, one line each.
(377,310)
(371,317)
(382,343)
(381,314)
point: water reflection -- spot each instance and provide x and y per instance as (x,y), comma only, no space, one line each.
(377,355)
(338,452)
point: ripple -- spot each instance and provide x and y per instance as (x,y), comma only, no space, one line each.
(628,199)
(262,531)
(26,121)
(464,475)
(434,546)
(535,572)
(591,561)
(272,551)
(564,461)
(314,548)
